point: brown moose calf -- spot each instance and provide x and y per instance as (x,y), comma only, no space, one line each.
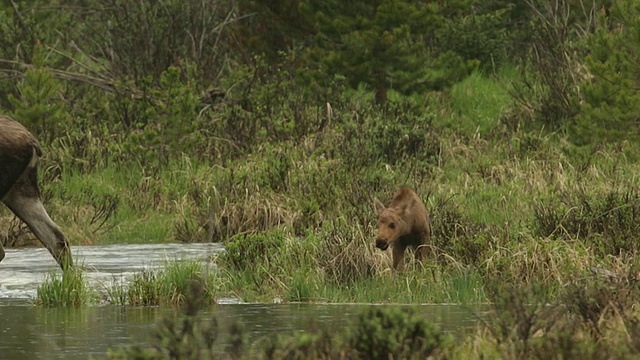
(405,223)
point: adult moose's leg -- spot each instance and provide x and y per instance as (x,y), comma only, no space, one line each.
(24,200)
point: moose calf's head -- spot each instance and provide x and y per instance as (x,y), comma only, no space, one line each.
(391,225)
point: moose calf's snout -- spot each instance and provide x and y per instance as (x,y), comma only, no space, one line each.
(382,244)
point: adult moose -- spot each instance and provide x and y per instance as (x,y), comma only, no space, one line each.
(19,153)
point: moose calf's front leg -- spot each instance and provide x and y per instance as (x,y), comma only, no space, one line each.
(421,252)
(397,254)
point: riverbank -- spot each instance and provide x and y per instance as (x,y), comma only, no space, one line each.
(297,218)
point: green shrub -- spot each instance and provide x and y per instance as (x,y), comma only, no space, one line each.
(246,252)
(611,103)
(378,333)
(398,332)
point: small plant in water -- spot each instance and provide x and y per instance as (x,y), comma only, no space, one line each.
(68,290)
(166,286)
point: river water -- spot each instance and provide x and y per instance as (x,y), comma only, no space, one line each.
(32,332)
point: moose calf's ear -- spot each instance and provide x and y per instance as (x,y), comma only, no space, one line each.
(406,206)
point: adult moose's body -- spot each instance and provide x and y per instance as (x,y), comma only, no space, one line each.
(19,153)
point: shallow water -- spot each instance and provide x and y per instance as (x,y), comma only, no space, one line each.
(22,270)
(31,332)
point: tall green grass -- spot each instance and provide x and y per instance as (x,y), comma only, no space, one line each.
(477,103)
(67,290)
(165,286)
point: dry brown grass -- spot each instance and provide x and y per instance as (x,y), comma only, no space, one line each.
(253,212)
(347,254)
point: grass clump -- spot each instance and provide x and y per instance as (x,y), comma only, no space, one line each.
(337,263)
(607,221)
(270,265)
(166,286)
(68,290)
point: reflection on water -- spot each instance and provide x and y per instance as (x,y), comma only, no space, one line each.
(30,332)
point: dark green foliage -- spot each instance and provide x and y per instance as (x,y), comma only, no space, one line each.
(383,44)
(379,333)
(398,332)
(313,344)
(38,103)
(272,27)
(609,222)
(480,37)
(141,39)
(601,295)
(611,104)
(518,315)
